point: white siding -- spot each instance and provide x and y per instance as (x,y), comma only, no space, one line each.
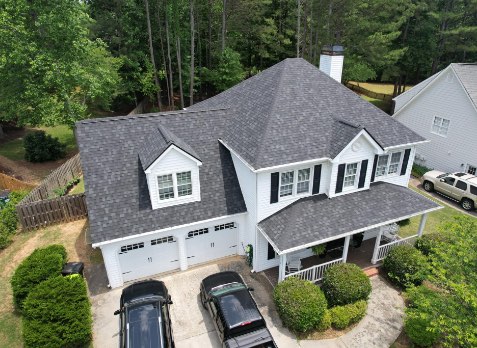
(173,162)
(111,263)
(402,99)
(444,98)
(332,66)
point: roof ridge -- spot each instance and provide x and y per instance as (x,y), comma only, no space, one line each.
(148,115)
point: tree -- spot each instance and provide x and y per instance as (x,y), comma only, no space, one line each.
(228,73)
(52,72)
(151,52)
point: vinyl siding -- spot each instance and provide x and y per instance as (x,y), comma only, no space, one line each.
(444,98)
(402,99)
(332,66)
(401,180)
(111,263)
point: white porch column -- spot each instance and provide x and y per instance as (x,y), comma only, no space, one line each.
(345,248)
(422,224)
(182,253)
(282,267)
(374,260)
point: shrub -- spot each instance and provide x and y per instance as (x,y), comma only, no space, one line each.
(418,170)
(42,147)
(405,266)
(418,328)
(344,316)
(8,215)
(5,238)
(57,313)
(42,264)
(319,249)
(325,322)
(427,242)
(300,304)
(345,283)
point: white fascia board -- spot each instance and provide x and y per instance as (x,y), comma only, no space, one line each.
(100,244)
(269,240)
(301,247)
(394,147)
(368,137)
(169,149)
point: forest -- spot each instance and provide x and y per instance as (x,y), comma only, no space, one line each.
(66,60)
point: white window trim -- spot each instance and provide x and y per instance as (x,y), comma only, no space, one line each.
(440,126)
(174,185)
(356,177)
(386,174)
(295,183)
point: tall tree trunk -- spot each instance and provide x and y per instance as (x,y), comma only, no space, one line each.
(171,81)
(179,67)
(298,29)
(224,2)
(2,134)
(209,41)
(310,48)
(168,85)
(192,54)
(153,60)
(305,29)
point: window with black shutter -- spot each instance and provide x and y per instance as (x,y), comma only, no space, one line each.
(271,254)
(340,178)
(362,173)
(274,182)
(373,175)
(405,161)
(316,179)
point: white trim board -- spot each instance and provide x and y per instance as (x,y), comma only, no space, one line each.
(169,149)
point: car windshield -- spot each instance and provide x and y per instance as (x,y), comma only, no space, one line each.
(226,288)
(145,326)
(443,175)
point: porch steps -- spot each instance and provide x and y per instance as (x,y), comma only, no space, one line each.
(371,271)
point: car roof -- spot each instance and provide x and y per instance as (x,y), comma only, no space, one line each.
(144,327)
(143,289)
(465,176)
(221,278)
(238,308)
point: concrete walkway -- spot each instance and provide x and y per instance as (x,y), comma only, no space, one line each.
(379,328)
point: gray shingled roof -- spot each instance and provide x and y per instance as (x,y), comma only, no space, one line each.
(115,182)
(158,141)
(288,113)
(467,74)
(316,218)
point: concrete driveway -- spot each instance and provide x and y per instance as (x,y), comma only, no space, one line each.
(191,323)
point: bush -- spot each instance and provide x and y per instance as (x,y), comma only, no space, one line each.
(8,218)
(300,304)
(405,266)
(418,170)
(344,316)
(418,328)
(5,238)
(42,264)
(57,313)
(325,322)
(345,283)
(427,242)
(42,147)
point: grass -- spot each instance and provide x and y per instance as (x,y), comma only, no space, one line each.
(385,88)
(383,105)
(14,149)
(78,188)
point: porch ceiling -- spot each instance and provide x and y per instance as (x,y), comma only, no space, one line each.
(315,219)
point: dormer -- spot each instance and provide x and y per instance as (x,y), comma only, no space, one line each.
(171,167)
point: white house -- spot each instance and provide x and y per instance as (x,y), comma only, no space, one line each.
(283,161)
(443,109)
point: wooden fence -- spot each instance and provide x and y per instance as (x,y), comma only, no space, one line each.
(359,89)
(50,211)
(10,183)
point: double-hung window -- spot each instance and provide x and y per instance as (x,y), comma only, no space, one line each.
(394,162)
(174,185)
(440,126)
(303,181)
(295,182)
(388,164)
(286,186)
(350,175)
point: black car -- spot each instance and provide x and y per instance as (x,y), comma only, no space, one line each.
(236,316)
(144,316)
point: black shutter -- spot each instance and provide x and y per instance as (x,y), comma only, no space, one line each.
(362,173)
(274,187)
(316,179)
(270,252)
(340,178)
(373,174)
(405,161)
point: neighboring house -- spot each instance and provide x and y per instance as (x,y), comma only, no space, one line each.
(283,161)
(443,109)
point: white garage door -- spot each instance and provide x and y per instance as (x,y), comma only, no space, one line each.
(148,257)
(211,243)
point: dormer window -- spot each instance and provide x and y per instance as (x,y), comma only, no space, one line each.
(184,184)
(174,185)
(295,182)
(350,175)
(166,186)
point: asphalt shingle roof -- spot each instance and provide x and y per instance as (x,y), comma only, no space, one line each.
(115,182)
(291,111)
(316,218)
(467,74)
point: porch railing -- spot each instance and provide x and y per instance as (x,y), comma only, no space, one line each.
(383,250)
(314,274)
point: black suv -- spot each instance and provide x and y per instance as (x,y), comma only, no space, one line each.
(236,316)
(144,315)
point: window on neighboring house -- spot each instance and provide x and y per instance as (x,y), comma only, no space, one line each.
(303,181)
(388,164)
(471,169)
(174,185)
(350,175)
(440,126)
(184,184)
(166,186)
(286,185)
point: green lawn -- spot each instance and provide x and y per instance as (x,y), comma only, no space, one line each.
(385,88)
(434,219)
(14,148)
(383,105)
(79,188)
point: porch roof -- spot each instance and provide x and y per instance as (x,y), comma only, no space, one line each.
(317,219)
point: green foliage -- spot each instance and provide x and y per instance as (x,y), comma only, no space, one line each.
(345,283)
(405,266)
(344,316)
(325,322)
(300,304)
(42,264)
(228,73)
(357,69)
(9,219)
(319,249)
(418,170)
(42,147)
(61,191)
(57,313)
(427,242)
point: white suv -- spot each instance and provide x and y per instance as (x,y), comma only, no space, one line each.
(461,187)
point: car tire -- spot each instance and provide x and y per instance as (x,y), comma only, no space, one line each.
(428,186)
(467,204)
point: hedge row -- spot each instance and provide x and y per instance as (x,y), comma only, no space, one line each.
(344,316)
(41,265)
(8,218)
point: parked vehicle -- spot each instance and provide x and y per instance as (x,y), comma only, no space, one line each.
(144,316)
(461,187)
(235,314)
